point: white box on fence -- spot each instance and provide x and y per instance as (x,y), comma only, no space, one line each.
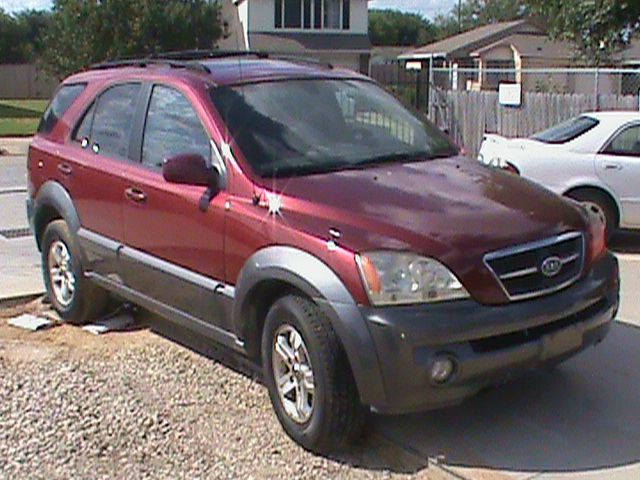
(414,66)
(510,94)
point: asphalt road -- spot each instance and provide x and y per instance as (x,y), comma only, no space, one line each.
(582,419)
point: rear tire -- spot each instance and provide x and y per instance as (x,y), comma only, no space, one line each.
(76,299)
(600,204)
(333,416)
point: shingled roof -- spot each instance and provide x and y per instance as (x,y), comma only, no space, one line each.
(461,46)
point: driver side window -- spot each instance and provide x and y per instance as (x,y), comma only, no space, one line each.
(626,143)
(172,128)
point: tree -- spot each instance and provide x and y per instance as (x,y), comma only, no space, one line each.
(82,33)
(20,35)
(395,28)
(476,13)
(597,28)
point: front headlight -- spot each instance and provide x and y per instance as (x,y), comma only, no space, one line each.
(398,278)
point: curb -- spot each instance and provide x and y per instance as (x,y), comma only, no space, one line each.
(19,300)
(10,190)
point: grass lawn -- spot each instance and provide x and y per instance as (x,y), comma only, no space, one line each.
(20,117)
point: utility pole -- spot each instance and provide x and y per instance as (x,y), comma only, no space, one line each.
(459,16)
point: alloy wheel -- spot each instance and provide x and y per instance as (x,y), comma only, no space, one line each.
(61,276)
(293,374)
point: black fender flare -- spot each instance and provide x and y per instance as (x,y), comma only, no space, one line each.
(53,197)
(313,277)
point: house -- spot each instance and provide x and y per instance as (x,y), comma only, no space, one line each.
(482,58)
(333,31)
(486,49)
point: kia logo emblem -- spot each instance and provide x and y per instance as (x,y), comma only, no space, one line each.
(551,267)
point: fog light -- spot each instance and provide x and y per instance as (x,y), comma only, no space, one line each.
(442,369)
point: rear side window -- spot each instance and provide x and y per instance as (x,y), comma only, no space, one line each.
(64,98)
(107,124)
(567,131)
(626,143)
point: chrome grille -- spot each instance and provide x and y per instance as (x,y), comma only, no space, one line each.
(538,268)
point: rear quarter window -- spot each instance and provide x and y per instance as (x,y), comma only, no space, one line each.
(62,101)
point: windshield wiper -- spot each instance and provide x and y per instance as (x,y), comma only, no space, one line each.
(402,158)
(305,169)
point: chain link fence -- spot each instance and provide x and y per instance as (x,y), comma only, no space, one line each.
(467,102)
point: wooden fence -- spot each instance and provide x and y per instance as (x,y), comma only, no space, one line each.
(21,81)
(469,115)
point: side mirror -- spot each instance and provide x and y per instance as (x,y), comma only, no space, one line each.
(191,169)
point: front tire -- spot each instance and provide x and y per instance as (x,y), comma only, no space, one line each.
(308,376)
(73,296)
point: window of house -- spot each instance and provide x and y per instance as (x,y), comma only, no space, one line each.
(107,124)
(172,128)
(292,13)
(627,143)
(332,14)
(308,14)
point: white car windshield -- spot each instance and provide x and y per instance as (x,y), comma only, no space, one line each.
(301,127)
(566,131)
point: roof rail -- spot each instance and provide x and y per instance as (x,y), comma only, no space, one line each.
(191,59)
(207,54)
(145,62)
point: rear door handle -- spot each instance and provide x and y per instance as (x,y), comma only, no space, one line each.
(65,169)
(135,195)
(612,166)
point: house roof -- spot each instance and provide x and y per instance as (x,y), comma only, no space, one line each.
(462,45)
(301,41)
(531,46)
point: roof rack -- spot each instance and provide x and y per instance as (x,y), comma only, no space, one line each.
(190,59)
(208,54)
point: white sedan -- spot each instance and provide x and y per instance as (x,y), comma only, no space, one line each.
(593,158)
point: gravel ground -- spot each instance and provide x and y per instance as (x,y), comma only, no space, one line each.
(135,405)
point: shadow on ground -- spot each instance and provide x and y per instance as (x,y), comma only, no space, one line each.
(626,242)
(583,416)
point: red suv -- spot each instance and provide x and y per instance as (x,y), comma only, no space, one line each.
(302,217)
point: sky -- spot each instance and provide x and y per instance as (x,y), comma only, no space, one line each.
(428,8)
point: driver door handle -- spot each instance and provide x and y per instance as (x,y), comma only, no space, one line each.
(135,195)
(612,166)
(65,169)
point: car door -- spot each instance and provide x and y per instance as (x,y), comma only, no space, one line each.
(618,165)
(174,248)
(99,148)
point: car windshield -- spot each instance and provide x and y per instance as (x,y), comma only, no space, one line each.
(566,131)
(298,127)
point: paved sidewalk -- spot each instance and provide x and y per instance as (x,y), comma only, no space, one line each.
(20,273)
(18,146)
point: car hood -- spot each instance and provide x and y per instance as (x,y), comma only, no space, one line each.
(455,210)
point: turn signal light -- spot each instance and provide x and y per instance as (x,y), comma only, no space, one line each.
(370,273)
(598,245)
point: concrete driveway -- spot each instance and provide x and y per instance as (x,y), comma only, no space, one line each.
(583,418)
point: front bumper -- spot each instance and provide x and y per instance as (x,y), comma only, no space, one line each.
(490,344)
